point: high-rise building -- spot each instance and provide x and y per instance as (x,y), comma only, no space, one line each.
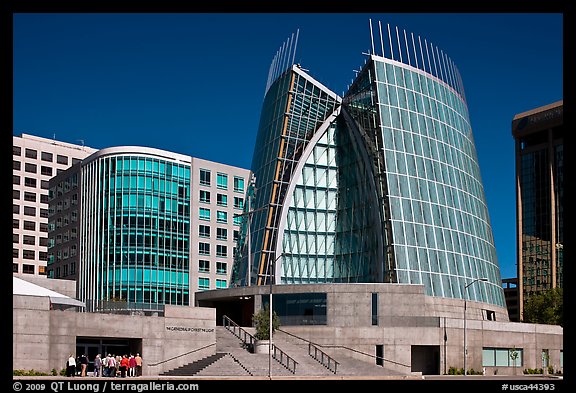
(381,185)
(34,161)
(539,137)
(144,227)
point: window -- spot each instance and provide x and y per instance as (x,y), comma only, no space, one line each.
(44,213)
(204,231)
(374,309)
(47,157)
(15,238)
(204,214)
(16,165)
(44,184)
(236,235)
(222,200)
(15,179)
(30,225)
(28,269)
(502,357)
(62,159)
(15,209)
(203,266)
(238,184)
(30,240)
(221,233)
(43,256)
(30,168)
(204,196)
(221,267)
(28,254)
(29,196)
(43,198)
(46,170)
(44,227)
(29,182)
(15,223)
(15,265)
(29,211)
(16,151)
(204,248)
(222,217)
(238,203)
(203,283)
(15,194)
(73,268)
(221,250)
(222,181)
(42,270)
(44,241)
(220,283)
(31,153)
(204,177)
(237,220)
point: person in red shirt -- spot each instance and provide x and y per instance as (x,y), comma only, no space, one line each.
(124,364)
(131,366)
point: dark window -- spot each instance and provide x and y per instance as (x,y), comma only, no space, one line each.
(31,153)
(44,241)
(29,196)
(374,309)
(30,225)
(15,267)
(46,170)
(15,194)
(30,240)
(15,238)
(44,198)
(42,255)
(61,159)
(75,160)
(15,209)
(204,196)
(379,355)
(15,179)
(43,226)
(15,223)
(204,231)
(47,156)
(204,266)
(16,150)
(204,177)
(29,182)
(44,184)
(29,211)
(16,165)
(28,254)
(30,168)
(28,269)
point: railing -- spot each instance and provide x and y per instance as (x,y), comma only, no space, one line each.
(281,357)
(179,356)
(247,339)
(322,357)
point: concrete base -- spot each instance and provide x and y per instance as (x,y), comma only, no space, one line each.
(262,346)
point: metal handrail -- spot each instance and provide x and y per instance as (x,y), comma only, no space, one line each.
(284,357)
(247,339)
(324,359)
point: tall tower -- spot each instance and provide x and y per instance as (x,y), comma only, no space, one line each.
(539,137)
(381,185)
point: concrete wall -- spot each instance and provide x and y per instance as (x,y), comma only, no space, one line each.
(65,287)
(43,339)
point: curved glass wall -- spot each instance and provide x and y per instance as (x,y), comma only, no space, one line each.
(136,232)
(440,227)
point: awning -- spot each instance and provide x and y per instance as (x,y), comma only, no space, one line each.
(25,288)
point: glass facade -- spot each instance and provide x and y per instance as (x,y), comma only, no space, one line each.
(382,185)
(135,232)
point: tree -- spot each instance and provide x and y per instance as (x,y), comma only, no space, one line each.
(261,320)
(546,307)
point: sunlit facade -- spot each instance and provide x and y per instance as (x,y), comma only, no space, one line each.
(381,185)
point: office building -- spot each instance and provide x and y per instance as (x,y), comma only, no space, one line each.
(140,227)
(35,161)
(539,141)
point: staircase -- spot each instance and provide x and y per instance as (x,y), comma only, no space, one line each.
(232,358)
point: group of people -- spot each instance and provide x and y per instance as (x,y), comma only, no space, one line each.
(108,366)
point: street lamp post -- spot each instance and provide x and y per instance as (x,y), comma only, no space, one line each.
(465,297)
(270,279)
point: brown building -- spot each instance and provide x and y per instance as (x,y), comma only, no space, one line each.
(539,136)
(511,295)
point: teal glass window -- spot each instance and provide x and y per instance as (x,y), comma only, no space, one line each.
(222,217)
(238,220)
(238,184)
(220,284)
(238,203)
(222,181)
(204,213)
(222,200)
(203,283)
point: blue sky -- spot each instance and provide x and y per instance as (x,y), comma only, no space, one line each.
(194,83)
